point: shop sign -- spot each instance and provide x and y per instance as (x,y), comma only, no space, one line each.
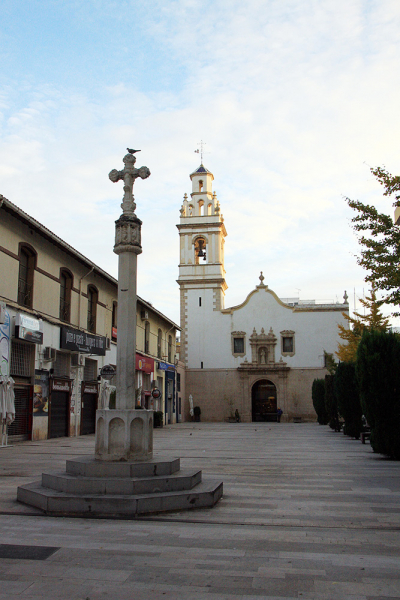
(89,389)
(5,345)
(114,333)
(144,363)
(28,329)
(156,393)
(107,372)
(41,394)
(79,341)
(162,366)
(58,385)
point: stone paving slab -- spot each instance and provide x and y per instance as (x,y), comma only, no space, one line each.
(306,513)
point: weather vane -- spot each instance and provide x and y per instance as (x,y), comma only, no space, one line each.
(201,150)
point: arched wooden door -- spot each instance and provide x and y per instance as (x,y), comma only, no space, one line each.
(264,401)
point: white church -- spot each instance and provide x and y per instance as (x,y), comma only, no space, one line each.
(257,357)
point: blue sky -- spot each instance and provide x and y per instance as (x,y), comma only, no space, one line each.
(295,100)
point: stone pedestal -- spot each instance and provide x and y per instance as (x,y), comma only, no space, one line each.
(123,435)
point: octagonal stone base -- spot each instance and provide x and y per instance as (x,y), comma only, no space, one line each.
(124,435)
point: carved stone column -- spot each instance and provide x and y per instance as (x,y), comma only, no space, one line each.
(126,433)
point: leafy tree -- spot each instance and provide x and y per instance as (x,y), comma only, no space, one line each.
(380,240)
(348,400)
(318,397)
(373,319)
(347,352)
(330,363)
(378,374)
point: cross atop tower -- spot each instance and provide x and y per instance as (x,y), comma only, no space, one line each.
(200,150)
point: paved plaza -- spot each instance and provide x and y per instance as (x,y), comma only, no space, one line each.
(306,513)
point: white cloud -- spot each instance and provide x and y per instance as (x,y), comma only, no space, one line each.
(292,98)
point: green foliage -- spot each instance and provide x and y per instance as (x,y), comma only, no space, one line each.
(378,374)
(158,418)
(330,363)
(331,402)
(318,398)
(348,400)
(373,319)
(379,238)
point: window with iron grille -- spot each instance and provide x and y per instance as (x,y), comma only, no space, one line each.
(65,296)
(147,337)
(238,343)
(287,343)
(92,308)
(159,344)
(62,365)
(114,321)
(21,359)
(25,276)
(90,370)
(170,348)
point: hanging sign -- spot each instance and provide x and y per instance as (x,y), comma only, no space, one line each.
(28,329)
(156,393)
(107,372)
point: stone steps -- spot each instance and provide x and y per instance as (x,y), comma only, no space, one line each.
(93,488)
(123,486)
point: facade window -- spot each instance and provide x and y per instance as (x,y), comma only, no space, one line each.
(62,365)
(65,295)
(147,337)
(92,296)
(27,260)
(159,344)
(178,382)
(238,343)
(287,343)
(90,370)
(114,321)
(169,348)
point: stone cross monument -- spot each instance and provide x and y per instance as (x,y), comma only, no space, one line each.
(126,433)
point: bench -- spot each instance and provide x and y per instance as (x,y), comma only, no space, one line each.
(365,435)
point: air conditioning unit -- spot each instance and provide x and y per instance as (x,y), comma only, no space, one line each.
(77,360)
(49,353)
(144,314)
(108,343)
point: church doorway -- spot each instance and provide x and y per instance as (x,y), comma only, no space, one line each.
(264,401)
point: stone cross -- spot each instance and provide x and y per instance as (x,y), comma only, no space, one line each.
(128,174)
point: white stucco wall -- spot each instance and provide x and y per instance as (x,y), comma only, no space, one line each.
(209,331)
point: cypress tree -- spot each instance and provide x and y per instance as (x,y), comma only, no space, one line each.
(348,400)
(378,374)
(318,398)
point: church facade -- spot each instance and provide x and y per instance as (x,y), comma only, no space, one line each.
(259,357)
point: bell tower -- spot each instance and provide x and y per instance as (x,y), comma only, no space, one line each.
(201,266)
